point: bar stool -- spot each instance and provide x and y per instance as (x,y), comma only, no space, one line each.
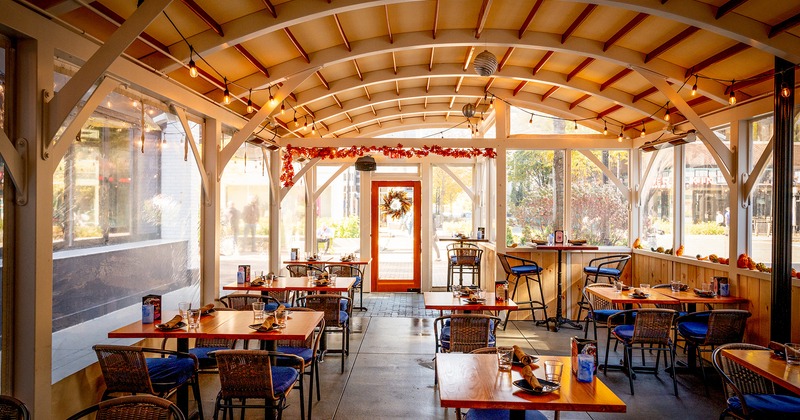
(531,271)
(610,267)
(465,260)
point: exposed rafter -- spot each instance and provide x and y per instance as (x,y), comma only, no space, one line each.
(575,24)
(579,68)
(99,8)
(452,101)
(728,7)
(716,58)
(753,80)
(675,40)
(520,86)
(366,91)
(482,16)
(388,24)
(204,16)
(430,64)
(785,25)
(428,85)
(529,19)
(625,29)
(541,63)
(604,113)
(489,84)
(358,70)
(252,59)
(504,60)
(468,58)
(615,78)
(322,80)
(394,63)
(373,110)
(270,8)
(641,95)
(458,83)
(341,32)
(436,19)
(578,101)
(397,87)
(338,102)
(308,111)
(297,45)
(551,91)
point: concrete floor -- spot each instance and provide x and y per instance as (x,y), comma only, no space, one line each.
(389,373)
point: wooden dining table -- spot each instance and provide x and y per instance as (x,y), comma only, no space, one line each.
(474,381)
(303,284)
(766,364)
(230,325)
(691,299)
(559,319)
(445,301)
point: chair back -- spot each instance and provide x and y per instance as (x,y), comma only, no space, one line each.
(12,408)
(484,350)
(738,380)
(124,369)
(302,270)
(245,374)
(344,270)
(653,326)
(461,245)
(504,262)
(243,301)
(312,342)
(726,326)
(467,256)
(140,407)
(469,332)
(596,302)
(328,304)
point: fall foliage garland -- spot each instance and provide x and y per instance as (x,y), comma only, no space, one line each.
(397,152)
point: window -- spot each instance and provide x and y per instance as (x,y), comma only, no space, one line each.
(338,211)
(244,186)
(760,249)
(534,194)
(5,69)
(293,217)
(599,210)
(705,201)
(451,210)
(126,220)
(658,191)
(397,169)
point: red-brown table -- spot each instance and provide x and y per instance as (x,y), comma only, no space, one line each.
(767,365)
(559,319)
(444,301)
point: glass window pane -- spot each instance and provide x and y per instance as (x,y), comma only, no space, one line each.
(705,201)
(338,211)
(657,200)
(761,200)
(293,218)
(452,213)
(534,194)
(599,209)
(397,169)
(4,116)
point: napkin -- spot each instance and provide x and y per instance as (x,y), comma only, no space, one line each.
(280,309)
(523,357)
(172,322)
(205,310)
(527,373)
(269,322)
(257,282)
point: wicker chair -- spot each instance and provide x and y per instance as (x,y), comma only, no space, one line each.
(748,394)
(337,317)
(485,350)
(244,301)
(12,408)
(652,327)
(308,350)
(132,407)
(710,329)
(610,267)
(520,268)
(303,270)
(598,310)
(464,333)
(346,270)
(127,370)
(249,374)
(465,260)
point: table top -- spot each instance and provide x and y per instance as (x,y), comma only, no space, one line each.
(444,301)
(688,296)
(462,240)
(473,381)
(342,284)
(231,325)
(328,261)
(611,295)
(567,247)
(773,368)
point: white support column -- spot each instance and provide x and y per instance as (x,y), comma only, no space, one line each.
(634,204)
(738,227)
(32,262)
(366,228)
(501,131)
(426,227)
(210,233)
(677,199)
(275,199)
(311,210)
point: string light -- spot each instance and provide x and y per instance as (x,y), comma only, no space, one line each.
(605,128)
(305,123)
(643,133)
(785,91)
(226,96)
(296,124)
(666,114)
(531,120)
(694,86)
(283,107)
(732,96)
(313,129)
(192,66)
(135,103)
(576,124)
(271,98)
(250,102)
(619,138)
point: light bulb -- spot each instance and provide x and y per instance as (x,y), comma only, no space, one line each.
(643,133)
(249,106)
(313,129)
(732,97)
(666,115)
(192,69)
(576,124)
(785,91)
(135,103)
(605,128)
(226,96)
(531,120)
(694,89)
(108,104)
(296,123)
(283,108)
(619,139)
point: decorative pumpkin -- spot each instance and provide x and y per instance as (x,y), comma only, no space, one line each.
(679,252)
(741,262)
(637,243)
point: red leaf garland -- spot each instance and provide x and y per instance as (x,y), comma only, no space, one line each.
(397,152)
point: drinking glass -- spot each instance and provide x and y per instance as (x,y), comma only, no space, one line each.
(644,286)
(792,353)
(552,370)
(504,357)
(675,286)
(183,309)
(194,318)
(456,291)
(258,311)
(619,285)
(332,278)
(281,318)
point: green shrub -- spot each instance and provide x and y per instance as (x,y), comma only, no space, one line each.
(88,232)
(349,227)
(706,228)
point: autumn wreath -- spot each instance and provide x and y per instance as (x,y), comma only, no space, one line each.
(396,204)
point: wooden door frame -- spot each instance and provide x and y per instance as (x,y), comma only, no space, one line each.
(396,285)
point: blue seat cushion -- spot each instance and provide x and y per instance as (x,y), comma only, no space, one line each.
(306,353)
(357,283)
(343,317)
(605,271)
(762,405)
(166,373)
(272,306)
(693,330)
(500,414)
(521,270)
(343,305)
(203,356)
(603,314)
(624,332)
(283,378)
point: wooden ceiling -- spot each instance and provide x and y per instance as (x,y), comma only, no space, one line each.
(389,65)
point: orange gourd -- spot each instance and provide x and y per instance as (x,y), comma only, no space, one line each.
(679,252)
(741,262)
